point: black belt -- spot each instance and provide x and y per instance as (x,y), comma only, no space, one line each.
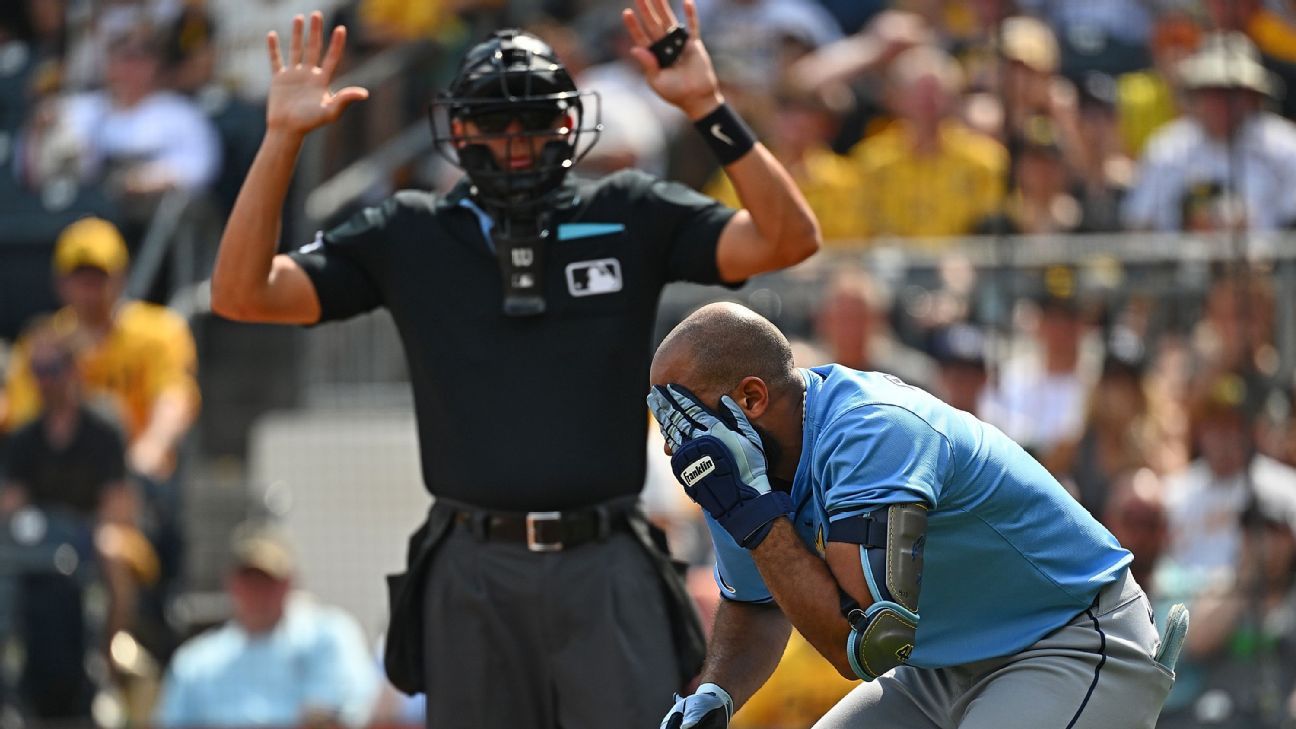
(542,531)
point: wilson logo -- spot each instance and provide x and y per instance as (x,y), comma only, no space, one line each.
(697,470)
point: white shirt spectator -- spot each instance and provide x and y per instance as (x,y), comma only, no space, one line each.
(1181,155)
(1036,409)
(242,60)
(621,78)
(314,661)
(165,132)
(632,124)
(1205,512)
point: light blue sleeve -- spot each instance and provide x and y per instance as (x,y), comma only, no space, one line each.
(735,570)
(342,677)
(879,454)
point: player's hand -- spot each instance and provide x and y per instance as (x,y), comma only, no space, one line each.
(719,460)
(708,708)
(299,98)
(690,82)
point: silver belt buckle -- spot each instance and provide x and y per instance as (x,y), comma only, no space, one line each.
(533,543)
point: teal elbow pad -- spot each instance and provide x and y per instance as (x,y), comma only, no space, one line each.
(881,638)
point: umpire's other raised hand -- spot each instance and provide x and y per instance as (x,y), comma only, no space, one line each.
(690,81)
(300,99)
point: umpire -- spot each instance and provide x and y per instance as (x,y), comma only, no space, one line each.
(536,595)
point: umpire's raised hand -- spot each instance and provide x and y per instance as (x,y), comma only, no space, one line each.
(687,78)
(300,99)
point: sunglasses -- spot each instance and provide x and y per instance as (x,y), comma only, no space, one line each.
(531,119)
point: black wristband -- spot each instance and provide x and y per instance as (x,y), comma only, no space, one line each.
(726,134)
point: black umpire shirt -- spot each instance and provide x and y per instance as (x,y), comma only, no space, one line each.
(525,413)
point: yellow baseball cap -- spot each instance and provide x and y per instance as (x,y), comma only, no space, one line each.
(93,243)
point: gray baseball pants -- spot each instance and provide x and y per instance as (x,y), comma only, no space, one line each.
(1095,672)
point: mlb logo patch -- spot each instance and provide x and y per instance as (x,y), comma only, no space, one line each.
(591,278)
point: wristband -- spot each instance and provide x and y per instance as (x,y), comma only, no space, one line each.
(726,134)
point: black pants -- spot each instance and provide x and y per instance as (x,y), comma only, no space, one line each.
(54,683)
(577,639)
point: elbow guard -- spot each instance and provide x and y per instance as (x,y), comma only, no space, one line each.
(891,554)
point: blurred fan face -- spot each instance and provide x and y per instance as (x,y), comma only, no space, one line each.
(961,384)
(1140,526)
(90,292)
(55,372)
(1041,172)
(131,73)
(258,599)
(846,323)
(798,128)
(1225,443)
(1118,401)
(1059,331)
(925,101)
(1222,111)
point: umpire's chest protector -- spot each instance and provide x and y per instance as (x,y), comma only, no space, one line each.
(428,261)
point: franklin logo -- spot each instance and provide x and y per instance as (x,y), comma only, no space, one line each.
(590,278)
(697,470)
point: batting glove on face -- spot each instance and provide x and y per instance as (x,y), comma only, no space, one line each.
(719,460)
(708,708)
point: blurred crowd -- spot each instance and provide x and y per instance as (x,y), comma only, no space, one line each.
(1156,391)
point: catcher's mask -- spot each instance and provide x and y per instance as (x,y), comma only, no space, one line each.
(514,77)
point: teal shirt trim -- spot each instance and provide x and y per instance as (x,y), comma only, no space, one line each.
(572,231)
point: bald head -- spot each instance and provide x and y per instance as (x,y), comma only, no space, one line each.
(715,347)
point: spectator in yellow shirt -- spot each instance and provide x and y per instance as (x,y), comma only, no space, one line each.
(928,174)
(803,123)
(138,357)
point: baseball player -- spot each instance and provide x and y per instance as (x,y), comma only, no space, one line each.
(535,594)
(914,546)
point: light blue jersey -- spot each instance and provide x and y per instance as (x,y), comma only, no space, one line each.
(1009,555)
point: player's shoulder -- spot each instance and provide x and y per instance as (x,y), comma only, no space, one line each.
(869,402)
(629,181)
(394,212)
(632,189)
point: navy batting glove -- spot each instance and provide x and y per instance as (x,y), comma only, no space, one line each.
(708,708)
(719,460)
